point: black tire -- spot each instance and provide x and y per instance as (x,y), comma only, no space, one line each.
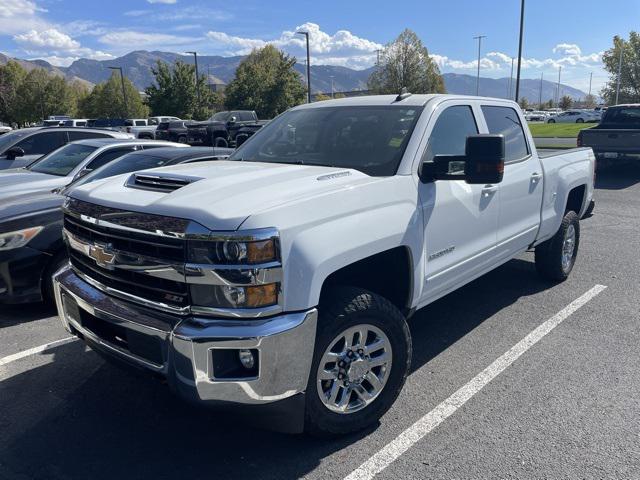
(58,261)
(551,121)
(220,142)
(548,255)
(182,139)
(579,120)
(340,309)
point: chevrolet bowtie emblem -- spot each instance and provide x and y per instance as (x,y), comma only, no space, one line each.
(103,255)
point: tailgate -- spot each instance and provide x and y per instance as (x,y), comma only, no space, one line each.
(611,140)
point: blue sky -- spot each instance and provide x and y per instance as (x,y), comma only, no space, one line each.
(570,33)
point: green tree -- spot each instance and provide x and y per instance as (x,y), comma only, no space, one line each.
(11,77)
(106,100)
(549,104)
(565,102)
(320,97)
(630,73)
(175,92)
(405,63)
(266,82)
(41,94)
(524,103)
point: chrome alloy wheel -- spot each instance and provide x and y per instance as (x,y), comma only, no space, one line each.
(568,248)
(354,369)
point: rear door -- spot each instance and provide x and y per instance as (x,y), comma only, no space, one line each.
(461,220)
(521,188)
(39,144)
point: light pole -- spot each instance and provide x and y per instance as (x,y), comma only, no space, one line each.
(559,73)
(511,79)
(540,92)
(520,49)
(378,57)
(195,58)
(619,72)
(590,80)
(124,92)
(479,38)
(306,34)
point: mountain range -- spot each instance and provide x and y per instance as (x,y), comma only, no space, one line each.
(137,68)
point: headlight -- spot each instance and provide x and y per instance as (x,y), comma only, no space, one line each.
(225,296)
(19,238)
(232,251)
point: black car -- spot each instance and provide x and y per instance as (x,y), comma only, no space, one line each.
(174,131)
(221,129)
(31,245)
(19,148)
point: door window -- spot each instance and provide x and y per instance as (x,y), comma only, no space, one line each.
(73,136)
(449,134)
(105,157)
(42,143)
(505,121)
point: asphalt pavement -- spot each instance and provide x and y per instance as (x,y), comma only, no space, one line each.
(567,406)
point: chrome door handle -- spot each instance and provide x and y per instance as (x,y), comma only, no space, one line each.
(535,176)
(489,190)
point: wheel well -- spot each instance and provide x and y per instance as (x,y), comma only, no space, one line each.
(575,199)
(388,274)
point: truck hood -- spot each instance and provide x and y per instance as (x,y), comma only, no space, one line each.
(20,181)
(223,193)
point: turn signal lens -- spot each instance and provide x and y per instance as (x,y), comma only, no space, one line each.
(261,296)
(261,252)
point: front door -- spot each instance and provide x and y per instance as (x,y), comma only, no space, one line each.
(460,220)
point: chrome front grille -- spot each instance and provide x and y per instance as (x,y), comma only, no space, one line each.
(150,267)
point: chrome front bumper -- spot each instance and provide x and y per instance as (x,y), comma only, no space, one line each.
(181,349)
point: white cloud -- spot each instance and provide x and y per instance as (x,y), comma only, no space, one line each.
(136,13)
(133,40)
(18,16)
(567,49)
(166,2)
(16,8)
(45,40)
(342,48)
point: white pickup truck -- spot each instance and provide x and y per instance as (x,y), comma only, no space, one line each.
(282,279)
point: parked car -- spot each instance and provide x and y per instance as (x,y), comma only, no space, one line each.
(281,280)
(139,128)
(5,129)
(31,246)
(535,116)
(174,131)
(160,119)
(616,136)
(21,147)
(570,116)
(117,124)
(221,129)
(67,163)
(246,132)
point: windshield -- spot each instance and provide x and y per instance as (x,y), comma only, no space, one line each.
(125,164)
(220,117)
(371,139)
(62,161)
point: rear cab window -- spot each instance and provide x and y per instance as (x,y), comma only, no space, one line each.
(505,121)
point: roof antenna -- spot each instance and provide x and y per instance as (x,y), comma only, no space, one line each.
(404,93)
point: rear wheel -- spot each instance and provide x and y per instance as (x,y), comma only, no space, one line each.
(551,120)
(220,142)
(182,139)
(579,120)
(555,257)
(361,360)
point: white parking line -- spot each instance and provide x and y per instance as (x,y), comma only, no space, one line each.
(34,350)
(388,454)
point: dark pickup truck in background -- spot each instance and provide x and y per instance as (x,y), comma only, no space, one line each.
(221,129)
(616,136)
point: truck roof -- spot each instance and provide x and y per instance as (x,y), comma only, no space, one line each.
(416,100)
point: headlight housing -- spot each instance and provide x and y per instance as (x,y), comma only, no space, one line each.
(18,238)
(236,271)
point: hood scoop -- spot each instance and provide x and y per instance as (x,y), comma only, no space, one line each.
(159,183)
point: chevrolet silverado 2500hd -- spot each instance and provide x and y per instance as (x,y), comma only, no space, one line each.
(283,277)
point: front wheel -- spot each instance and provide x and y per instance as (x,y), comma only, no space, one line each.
(579,120)
(551,121)
(361,360)
(556,257)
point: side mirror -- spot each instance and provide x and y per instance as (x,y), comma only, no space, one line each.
(484,159)
(232,120)
(14,152)
(482,163)
(82,173)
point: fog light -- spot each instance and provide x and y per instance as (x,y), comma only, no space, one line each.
(246,359)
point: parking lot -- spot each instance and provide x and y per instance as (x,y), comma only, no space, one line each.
(564,406)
